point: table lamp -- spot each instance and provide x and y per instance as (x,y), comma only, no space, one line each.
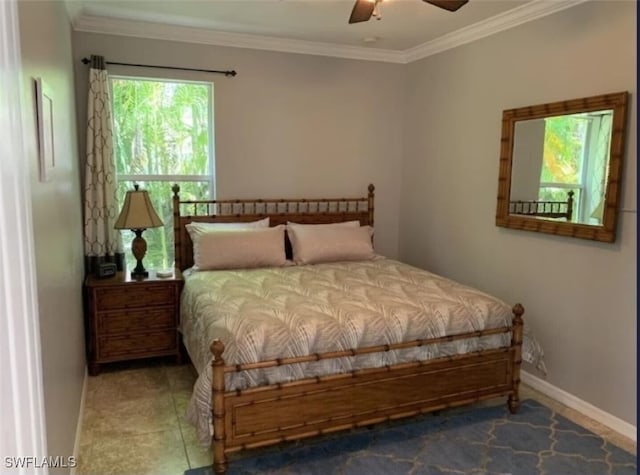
(137,214)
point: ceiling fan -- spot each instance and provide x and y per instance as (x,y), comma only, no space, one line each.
(363,10)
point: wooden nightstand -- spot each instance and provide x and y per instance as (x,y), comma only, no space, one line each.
(128,319)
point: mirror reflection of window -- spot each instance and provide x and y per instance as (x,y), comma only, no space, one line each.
(575,157)
(556,155)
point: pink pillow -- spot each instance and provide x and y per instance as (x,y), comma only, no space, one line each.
(315,244)
(262,223)
(238,248)
(352,224)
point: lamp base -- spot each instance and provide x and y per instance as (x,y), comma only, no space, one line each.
(139,249)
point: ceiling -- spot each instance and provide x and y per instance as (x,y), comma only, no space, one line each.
(406,25)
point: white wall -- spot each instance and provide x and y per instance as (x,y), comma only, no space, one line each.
(57,223)
(288,125)
(579,296)
(526,165)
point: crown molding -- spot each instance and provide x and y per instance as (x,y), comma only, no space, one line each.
(504,21)
(158,31)
(73,9)
(82,21)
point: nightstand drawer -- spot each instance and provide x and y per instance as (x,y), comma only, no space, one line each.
(128,321)
(137,344)
(136,295)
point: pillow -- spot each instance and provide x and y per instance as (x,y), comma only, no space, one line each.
(353,224)
(287,241)
(238,248)
(262,223)
(312,245)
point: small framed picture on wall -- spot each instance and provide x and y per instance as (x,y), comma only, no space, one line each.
(44,124)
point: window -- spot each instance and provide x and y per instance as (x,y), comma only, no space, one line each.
(163,134)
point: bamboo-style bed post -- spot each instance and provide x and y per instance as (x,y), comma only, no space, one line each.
(176,225)
(570,205)
(516,344)
(370,203)
(217,408)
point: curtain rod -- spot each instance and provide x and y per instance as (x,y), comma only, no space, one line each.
(226,73)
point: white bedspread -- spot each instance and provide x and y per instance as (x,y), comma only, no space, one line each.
(262,314)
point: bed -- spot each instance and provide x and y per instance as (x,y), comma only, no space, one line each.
(544,209)
(323,381)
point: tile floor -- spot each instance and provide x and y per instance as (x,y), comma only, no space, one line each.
(133,421)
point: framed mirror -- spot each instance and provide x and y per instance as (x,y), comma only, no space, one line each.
(560,167)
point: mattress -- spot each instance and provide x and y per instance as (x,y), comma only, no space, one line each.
(263,314)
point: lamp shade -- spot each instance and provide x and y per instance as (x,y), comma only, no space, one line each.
(137,211)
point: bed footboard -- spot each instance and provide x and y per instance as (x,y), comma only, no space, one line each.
(267,415)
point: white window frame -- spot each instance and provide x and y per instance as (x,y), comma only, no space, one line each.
(210,177)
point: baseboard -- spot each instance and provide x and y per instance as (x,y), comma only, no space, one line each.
(76,444)
(589,410)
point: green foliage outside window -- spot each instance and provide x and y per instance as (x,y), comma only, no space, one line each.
(563,159)
(564,139)
(162,136)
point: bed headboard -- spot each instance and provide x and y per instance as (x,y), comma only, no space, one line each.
(303,210)
(544,209)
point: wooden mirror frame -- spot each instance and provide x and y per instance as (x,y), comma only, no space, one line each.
(607,231)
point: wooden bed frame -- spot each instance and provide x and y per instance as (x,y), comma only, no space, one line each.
(544,209)
(266,415)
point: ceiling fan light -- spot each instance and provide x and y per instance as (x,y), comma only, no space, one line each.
(376,10)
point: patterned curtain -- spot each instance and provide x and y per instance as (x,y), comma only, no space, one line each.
(102,243)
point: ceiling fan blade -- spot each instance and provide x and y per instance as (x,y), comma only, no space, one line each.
(362,11)
(450,5)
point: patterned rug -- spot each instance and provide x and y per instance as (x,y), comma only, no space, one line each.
(480,440)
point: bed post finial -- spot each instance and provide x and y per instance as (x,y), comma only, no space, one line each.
(516,345)
(217,348)
(570,205)
(518,311)
(218,440)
